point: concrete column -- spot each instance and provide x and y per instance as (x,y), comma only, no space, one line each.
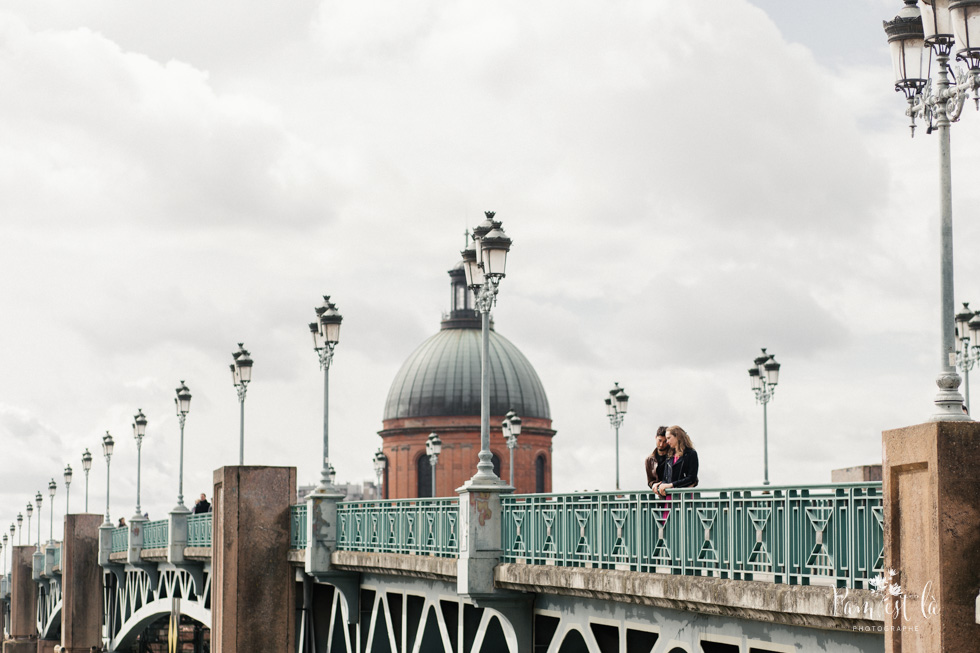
(253,584)
(932,508)
(480,546)
(81,577)
(23,602)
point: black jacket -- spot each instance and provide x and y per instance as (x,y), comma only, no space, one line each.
(683,473)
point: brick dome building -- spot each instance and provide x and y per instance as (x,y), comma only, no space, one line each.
(437,390)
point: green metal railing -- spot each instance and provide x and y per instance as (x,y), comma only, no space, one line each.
(156,534)
(297,526)
(57,555)
(418,526)
(199,529)
(798,535)
(120,539)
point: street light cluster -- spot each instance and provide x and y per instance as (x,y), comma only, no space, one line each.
(616,404)
(764,375)
(967,345)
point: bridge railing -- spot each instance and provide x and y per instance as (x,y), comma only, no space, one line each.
(798,535)
(412,526)
(199,530)
(156,534)
(120,539)
(297,526)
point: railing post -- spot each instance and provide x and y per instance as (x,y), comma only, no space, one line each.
(177,535)
(135,534)
(105,543)
(480,535)
(321,530)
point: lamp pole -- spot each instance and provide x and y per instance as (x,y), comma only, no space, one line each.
(107,446)
(511,427)
(326,335)
(241,374)
(485,264)
(38,499)
(139,431)
(20,523)
(86,466)
(68,475)
(764,375)
(616,404)
(182,403)
(939,26)
(52,488)
(30,511)
(433,447)
(967,345)
(380,462)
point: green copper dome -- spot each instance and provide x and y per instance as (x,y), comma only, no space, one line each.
(442,377)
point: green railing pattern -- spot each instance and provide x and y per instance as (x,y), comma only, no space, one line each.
(120,539)
(297,526)
(156,534)
(57,555)
(199,529)
(417,526)
(799,535)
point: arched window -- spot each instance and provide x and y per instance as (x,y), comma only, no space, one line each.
(539,464)
(424,476)
(496,464)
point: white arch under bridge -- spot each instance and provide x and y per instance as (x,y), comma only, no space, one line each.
(135,597)
(48,612)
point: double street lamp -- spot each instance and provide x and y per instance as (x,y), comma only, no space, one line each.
(616,404)
(86,466)
(433,447)
(484,264)
(241,374)
(139,431)
(947,27)
(38,499)
(967,345)
(30,511)
(52,488)
(380,463)
(326,335)
(182,403)
(511,426)
(764,375)
(107,447)
(68,475)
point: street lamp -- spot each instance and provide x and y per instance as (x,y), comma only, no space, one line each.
(511,427)
(943,25)
(68,475)
(38,499)
(30,511)
(616,404)
(241,374)
(3,554)
(484,264)
(326,335)
(20,523)
(86,466)
(107,446)
(380,462)
(433,447)
(52,488)
(182,403)
(967,345)
(764,375)
(139,430)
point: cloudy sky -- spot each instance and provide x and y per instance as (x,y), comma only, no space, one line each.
(684,183)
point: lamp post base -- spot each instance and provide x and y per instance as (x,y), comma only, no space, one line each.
(949,402)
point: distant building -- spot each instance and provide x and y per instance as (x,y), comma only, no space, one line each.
(365,491)
(860,474)
(438,390)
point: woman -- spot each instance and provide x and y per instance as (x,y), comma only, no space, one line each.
(682,463)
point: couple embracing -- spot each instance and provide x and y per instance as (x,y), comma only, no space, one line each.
(674,463)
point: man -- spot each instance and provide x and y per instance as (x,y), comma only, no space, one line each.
(202,505)
(656,462)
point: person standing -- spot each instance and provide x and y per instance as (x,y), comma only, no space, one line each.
(202,505)
(682,465)
(656,462)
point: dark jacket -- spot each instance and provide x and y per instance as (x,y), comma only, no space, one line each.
(683,473)
(201,507)
(656,466)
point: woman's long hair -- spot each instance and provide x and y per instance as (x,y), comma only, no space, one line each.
(683,439)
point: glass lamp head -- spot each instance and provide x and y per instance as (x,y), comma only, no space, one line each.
(107,445)
(183,399)
(330,320)
(86,460)
(243,364)
(52,488)
(772,371)
(68,474)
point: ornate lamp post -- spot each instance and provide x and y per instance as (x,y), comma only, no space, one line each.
(764,375)
(68,475)
(107,446)
(967,345)
(511,427)
(943,26)
(326,335)
(241,374)
(433,447)
(3,554)
(20,523)
(86,466)
(182,402)
(30,511)
(380,462)
(52,488)
(38,499)
(485,265)
(616,404)
(139,431)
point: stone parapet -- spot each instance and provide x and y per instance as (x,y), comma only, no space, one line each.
(399,564)
(23,593)
(81,614)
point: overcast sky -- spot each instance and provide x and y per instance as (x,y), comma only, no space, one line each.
(684,183)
